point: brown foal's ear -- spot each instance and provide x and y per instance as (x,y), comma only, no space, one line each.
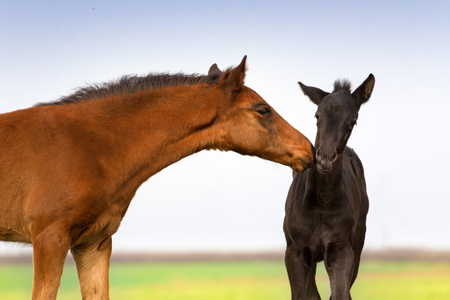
(214,70)
(316,95)
(363,92)
(234,79)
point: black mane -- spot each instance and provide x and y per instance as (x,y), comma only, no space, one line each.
(131,84)
(342,85)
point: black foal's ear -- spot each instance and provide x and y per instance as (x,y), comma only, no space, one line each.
(363,92)
(316,95)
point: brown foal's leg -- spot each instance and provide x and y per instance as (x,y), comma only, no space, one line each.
(92,262)
(50,249)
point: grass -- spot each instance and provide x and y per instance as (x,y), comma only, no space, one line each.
(238,281)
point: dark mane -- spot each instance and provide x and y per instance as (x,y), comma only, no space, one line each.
(342,85)
(132,84)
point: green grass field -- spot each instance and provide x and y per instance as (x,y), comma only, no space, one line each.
(238,281)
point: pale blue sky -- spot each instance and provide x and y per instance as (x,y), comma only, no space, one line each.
(222,201)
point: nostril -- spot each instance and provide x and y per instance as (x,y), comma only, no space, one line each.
(334,156)
(318,156)
(326,155)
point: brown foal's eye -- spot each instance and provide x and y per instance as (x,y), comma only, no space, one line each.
(263,110)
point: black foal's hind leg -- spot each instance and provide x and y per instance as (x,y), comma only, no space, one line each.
(311,290)
(301,275)
(339,266)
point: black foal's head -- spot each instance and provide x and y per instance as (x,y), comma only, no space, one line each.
(336,115)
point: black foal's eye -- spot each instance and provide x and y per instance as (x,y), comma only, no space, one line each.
(317,118)
(263,110)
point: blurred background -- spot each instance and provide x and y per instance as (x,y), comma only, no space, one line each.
(224,202)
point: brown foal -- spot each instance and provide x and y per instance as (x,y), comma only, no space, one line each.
(69,169)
